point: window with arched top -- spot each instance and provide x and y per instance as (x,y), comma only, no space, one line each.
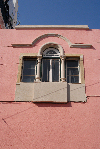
(51,52)
(51,65)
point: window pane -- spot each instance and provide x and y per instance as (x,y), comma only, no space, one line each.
(55,70)
(51,52)
(29,64)
(28,78)
(46,70)
(72,71)
(73,79)
(72,63)
(50,70)
(29,72)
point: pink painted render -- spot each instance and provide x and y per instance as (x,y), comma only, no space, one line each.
(48,125)
(9,59)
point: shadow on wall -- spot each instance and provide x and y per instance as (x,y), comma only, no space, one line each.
(68,92)
(45,104)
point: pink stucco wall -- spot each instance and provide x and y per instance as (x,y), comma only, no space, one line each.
(50,126)
(47,125)
(9,56)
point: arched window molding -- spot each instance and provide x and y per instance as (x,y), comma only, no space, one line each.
(39,38)
(51,44)
(62,56)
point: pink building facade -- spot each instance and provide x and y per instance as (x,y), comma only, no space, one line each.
(60,106)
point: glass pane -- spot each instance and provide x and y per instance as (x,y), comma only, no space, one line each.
(55,70)
(51,52)
(29,72)
(72,63)
(46,70)
(28,69)
(72,71)
(28,78)
(29,64)
(73,79)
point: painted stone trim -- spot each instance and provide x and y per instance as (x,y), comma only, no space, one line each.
(50,92)
(47,45)
(29,91)
(24,91)
(80,57)
(76,92)
(62,56)
(52,26)
(82,75)
(53,35)
(35,55)
(21,45)
(22,55)
(41,37)
(85,46)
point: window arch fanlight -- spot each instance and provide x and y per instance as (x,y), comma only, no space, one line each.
(51,52)
(51,44)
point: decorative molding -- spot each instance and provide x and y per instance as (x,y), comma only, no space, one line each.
(53,35)
(21,45)
(80,58)
(85,46)
(36,55)
(32,55)
(49,44)
(41,37)
(52,27)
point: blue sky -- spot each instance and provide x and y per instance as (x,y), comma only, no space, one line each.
(59,12)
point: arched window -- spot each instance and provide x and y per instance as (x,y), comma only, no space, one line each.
(51,65)
(51,52)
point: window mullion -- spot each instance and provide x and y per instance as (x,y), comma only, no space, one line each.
(22,69)
(79,71)
(59,69)
(50,70)
(47,71)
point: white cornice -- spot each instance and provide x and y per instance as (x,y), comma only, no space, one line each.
(52,26)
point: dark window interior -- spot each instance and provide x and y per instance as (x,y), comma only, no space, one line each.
(28,70)
(72,71)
